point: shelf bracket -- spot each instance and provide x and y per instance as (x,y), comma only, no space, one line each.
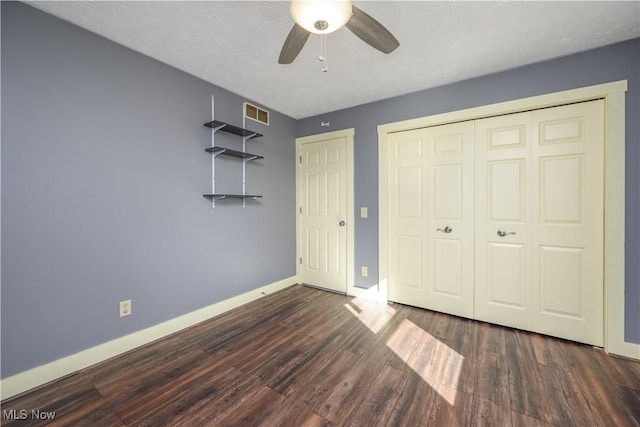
(217,128)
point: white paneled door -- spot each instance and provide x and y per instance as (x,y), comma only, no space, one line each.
(322,187)
(406,218)
(501,220)
(539,221)
(568,214)
(431,218)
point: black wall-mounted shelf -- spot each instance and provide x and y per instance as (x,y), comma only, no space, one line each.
(226,127)
(231,196)
(246,134)
(233,153)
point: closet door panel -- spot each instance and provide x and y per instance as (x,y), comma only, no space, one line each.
(430,212)
(407,219)
(449,231)
(568,233)
(503,220)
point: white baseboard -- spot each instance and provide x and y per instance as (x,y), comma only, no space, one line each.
(625,349)
(43,374)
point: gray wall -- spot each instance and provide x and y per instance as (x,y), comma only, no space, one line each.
(617,62)
(103,171)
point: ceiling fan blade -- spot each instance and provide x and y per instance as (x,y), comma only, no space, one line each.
(371,31)
(293,44)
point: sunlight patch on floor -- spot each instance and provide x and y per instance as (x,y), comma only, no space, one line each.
(435,362)
(373,315)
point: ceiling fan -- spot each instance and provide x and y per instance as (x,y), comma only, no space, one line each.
(326,16)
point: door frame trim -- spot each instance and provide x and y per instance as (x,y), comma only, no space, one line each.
(348,134)
(614,227)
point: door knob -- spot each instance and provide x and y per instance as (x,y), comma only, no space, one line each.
(341,223)
(503,233)
(447,229)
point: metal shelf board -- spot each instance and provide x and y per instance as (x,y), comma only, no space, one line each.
(226,127)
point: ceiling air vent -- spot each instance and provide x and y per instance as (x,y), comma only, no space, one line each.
(254,113)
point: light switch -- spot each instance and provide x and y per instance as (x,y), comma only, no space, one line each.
(363,212)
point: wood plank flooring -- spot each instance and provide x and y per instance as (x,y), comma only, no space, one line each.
(305,357)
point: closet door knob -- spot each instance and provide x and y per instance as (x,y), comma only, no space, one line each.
(503,233)
(341,223)
(447,229)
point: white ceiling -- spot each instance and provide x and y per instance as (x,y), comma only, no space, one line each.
(235,44)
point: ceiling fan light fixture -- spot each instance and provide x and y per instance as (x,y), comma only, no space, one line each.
(321,16)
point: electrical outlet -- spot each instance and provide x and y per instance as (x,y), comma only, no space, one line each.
(364,212)
(364,271)
(125,308)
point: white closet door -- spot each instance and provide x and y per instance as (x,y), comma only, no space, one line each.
(449,233)
(431,218)
(503,220)
(567,298)
(539,221)
(407,183)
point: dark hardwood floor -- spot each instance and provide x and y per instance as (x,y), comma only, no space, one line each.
(305,357)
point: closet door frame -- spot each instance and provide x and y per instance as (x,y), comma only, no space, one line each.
(614,228)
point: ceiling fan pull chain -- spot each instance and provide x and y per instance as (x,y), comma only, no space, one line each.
(323,52)
(321,57)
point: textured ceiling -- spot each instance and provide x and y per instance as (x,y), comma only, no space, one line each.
(235,44)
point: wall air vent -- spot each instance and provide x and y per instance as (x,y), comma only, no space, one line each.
(254,113)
